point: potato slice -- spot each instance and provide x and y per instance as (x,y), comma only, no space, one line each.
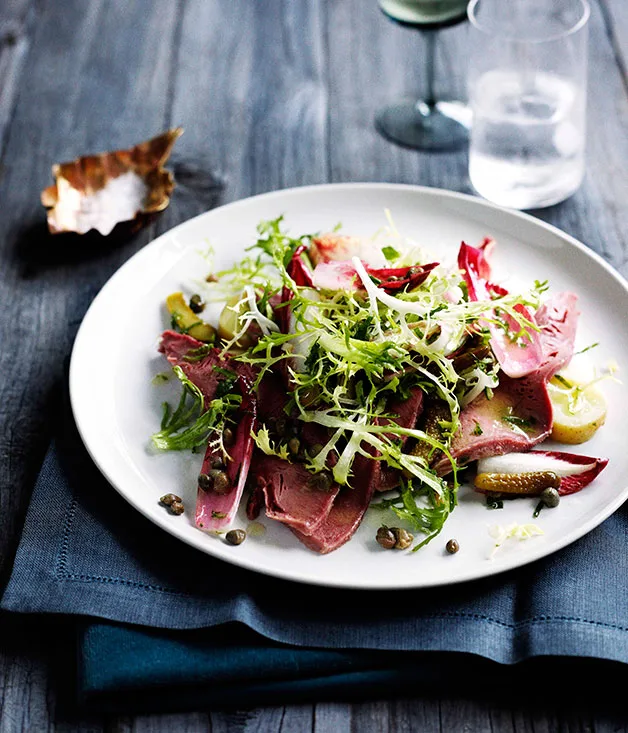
(229,323)
(579,411)
(187,321)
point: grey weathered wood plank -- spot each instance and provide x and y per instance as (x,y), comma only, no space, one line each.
(250,93)
(332,716)
(182,723)
(374,62)
(420,713)
(75,97)
(616,12)
(17,19)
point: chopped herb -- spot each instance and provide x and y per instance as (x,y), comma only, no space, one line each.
(520,422)
(477,430)
(587,348)
(563,381)
(199,354)
(161,378)
(225,385)
(539,507)
(218,515)
(390,253)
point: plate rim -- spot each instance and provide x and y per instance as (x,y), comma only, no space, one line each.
(290,575)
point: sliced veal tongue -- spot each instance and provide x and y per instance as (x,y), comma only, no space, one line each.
(292,495)
(575,471)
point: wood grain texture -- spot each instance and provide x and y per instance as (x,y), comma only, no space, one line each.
(616,12)
(271,93)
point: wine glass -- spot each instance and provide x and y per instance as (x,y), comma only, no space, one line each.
(428,123)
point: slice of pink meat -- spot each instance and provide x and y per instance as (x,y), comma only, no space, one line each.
(558,320)
(199,361)
(519,415)
(347,511)
(516,358)
(290,493)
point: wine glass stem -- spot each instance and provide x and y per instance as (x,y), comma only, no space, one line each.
(430,60)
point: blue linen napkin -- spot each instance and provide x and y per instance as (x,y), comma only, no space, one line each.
(135,669)
(85,551)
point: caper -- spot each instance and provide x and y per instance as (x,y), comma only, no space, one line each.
(452,547)
(314,450)
(205,482)
(550,497)
(403,538)
(309,396)
(235,536)
(385,537)
(196,303)
(321,481)
(220,481)
(177,507)
(293,445)
(218,463)
(227,436)
(169,499)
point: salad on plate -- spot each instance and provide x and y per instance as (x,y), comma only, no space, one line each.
(345,373)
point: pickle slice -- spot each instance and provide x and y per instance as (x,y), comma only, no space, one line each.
(523,484)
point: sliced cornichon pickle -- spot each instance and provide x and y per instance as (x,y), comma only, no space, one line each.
(525,484)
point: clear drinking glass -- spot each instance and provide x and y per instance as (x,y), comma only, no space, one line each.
(427,123)
(527,91)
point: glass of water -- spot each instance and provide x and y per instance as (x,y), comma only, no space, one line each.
(527,90)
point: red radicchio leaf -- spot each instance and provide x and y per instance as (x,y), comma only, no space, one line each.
(299,272)
(572,484)
(404,277)
(214,511)
(515,359)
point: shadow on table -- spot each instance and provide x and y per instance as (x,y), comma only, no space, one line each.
(37,251)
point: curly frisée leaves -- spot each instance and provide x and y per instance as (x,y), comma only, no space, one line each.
(348,352)
(191,424)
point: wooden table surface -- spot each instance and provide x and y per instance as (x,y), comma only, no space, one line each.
(272,94)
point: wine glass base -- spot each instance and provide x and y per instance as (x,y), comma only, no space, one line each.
(440,127)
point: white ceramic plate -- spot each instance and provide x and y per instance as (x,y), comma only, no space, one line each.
(117,406)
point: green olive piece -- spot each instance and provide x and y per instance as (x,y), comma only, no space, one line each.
(235,536)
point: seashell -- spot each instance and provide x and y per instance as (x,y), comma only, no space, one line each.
(100,191)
